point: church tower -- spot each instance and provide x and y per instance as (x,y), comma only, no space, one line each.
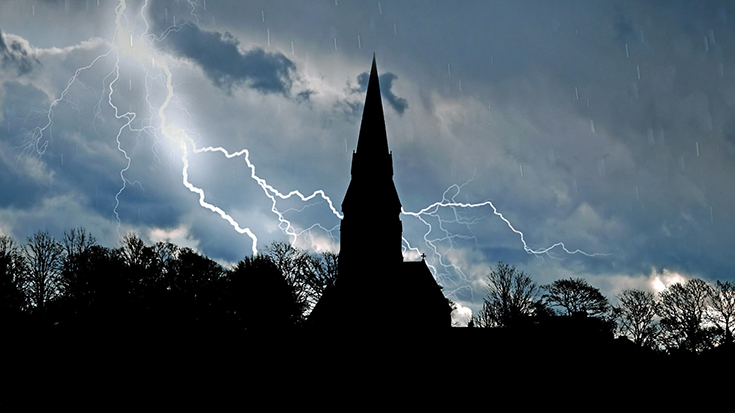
(375,288)
(371,226)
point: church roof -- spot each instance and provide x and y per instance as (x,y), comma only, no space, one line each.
(419,275)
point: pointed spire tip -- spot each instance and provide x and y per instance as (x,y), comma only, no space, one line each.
(372,137)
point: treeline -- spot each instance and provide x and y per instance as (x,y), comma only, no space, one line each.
(75,282)
(691,317)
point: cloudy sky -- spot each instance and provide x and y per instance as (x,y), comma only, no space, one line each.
(606,126)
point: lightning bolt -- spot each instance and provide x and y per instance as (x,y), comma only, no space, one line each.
(432,210)
(272,193)
(37,143)
(460,214)
(450,203)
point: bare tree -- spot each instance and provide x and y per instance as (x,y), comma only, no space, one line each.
(44,256)
(135,253)
(512,296)
(308,274)
(293,263)
(322,274)
(722,301)
(576,296)
(636,316)
(683,308)
(77,241)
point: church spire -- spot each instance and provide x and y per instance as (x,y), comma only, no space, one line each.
(371,207)
(372,163)
(372,138)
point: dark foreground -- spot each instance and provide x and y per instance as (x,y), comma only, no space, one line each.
(159,369)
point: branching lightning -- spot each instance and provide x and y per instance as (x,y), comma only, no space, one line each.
(37,143)
(450,203)
(272,193)
(432,210)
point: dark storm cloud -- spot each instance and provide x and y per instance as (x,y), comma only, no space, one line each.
(352,111)
(226,66)
(305,96)
(14,55)
(386,83)
(223,61)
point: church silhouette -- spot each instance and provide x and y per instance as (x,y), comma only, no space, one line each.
(375,287)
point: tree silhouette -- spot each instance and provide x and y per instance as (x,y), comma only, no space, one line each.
(293,264)
(135,253)
(683,308)
(322,275)
(144,274)
(77,278)
(636,316)
(42,282)
(96,291)
(12,274)
(261,297)
(77,243)
(512,296)
(722,300)
(194,290)
(576,296)
(308,274)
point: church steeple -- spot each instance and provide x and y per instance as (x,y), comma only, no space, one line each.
(371,208)
(373,138)
(372,163)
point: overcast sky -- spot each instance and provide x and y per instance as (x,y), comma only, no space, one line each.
(608,126)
